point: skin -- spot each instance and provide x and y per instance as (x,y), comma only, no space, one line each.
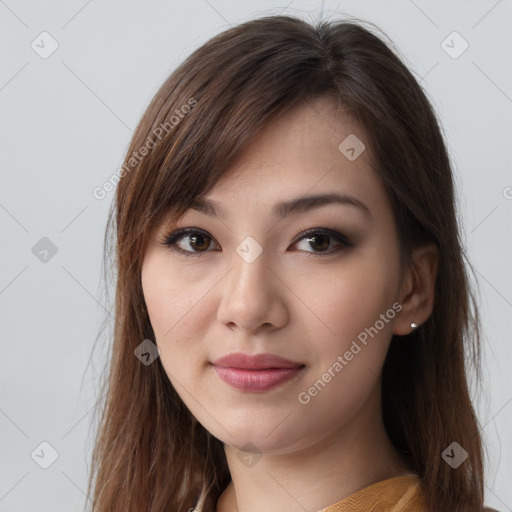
(295,300)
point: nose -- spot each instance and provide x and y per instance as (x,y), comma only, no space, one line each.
(253,298)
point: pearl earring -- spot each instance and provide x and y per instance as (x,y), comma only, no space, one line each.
(414,326)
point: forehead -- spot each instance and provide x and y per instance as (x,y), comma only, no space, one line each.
(308,133)
(311,149)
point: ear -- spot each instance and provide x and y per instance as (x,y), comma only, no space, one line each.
(418,289)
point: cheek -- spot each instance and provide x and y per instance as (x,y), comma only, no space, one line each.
(355,294)
(356,304)
(158,296)
(172,301)
(180,311)
(349,357)
(174,311)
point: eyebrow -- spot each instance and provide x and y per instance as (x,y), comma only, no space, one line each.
(297,205)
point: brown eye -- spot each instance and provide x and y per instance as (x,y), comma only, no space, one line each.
(192,242)
(320,240)
(197,240)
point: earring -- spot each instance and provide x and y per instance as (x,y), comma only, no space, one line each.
(414,326)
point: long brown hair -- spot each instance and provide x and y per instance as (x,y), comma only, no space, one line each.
(150,453)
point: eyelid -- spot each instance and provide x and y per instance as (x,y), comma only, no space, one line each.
(332,232)
(170,240)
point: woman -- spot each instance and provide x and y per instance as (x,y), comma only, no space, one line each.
(292,303)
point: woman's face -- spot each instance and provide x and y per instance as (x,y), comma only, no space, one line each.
(254,283)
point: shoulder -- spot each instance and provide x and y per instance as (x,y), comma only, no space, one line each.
(488,509)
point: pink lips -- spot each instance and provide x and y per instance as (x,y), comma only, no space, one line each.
(259,372)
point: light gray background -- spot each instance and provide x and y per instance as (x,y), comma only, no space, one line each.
(65,124)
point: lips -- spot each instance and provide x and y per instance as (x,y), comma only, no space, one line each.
(255,362)
(257,373)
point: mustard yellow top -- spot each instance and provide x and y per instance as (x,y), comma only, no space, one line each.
(399,494)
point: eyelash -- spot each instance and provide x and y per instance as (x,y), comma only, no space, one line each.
(171,239)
